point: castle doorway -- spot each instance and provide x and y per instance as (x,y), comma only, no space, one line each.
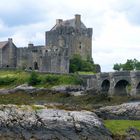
(36,66)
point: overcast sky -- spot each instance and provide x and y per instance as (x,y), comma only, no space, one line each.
(115,23)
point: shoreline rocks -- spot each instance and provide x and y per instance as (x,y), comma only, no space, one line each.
(75,90)
(127,111)
(40,123)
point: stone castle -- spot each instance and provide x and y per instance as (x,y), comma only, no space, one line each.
(65,39)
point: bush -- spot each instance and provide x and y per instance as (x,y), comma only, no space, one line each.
(7,80)
(51,80)
(34,79)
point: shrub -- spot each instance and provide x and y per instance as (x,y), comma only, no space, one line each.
(7,80)
(51,80)
(34,79)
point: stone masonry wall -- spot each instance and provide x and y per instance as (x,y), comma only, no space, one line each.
(78,41)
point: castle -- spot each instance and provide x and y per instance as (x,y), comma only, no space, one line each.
(65,39)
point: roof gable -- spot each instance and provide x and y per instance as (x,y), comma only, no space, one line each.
(3,44)
(68,23)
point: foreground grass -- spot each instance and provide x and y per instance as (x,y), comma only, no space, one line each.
(63,100)
(120,126)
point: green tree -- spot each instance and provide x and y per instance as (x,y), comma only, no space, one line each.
(117,67)
(131,64)
(77,64)
(137,66)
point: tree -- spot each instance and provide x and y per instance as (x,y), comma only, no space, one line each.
(129,65)
(78,64)
(117,67)
(137,66)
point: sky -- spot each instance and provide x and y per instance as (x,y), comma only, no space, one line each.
(115,23)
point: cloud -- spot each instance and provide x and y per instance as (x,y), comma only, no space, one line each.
(130,8)
(15,13)
(118,42)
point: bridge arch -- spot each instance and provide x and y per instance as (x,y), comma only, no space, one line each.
(122,87)
(138,88)
(105,86)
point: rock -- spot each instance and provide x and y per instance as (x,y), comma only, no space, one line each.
(132,134)
(68,88)
(25,87)
(75,90)
(39,123)
(128,111)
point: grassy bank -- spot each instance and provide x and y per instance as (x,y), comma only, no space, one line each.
(9,79)
(120,126)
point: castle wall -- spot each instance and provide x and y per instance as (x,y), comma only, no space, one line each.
(56,61)
(78,41)
(8,56)
(22,58)
(0,57)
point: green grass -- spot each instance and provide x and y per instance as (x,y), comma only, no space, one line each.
(13,78)
(86,73)
(66,101)
(16,77)
(120,126)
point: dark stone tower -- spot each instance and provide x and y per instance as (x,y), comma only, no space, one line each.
(71,34)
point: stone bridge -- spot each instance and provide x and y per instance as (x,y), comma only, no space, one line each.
(115,83)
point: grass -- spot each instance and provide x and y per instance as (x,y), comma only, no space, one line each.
(120,126)
(64,101)
(13,78)
(86,73)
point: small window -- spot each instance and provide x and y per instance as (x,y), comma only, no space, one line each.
(80,45)
(7,66)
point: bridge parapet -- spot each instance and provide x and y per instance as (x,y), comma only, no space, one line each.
(103,75)
(124,82)
(121,73)
(135,73)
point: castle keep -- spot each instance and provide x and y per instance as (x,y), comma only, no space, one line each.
(64,40)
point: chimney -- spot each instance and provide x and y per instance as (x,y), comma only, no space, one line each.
(77,20)
(59,21)
(30,45)
(10,40)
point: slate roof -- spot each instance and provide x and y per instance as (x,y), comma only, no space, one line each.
(69,23)
(2,44)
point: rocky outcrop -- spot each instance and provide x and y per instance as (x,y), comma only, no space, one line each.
(124,111)
(39,123)
(75,90)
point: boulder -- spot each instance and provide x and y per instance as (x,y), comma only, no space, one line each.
(127,111)
(39,123)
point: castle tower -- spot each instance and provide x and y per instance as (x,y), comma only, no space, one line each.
(76,37)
